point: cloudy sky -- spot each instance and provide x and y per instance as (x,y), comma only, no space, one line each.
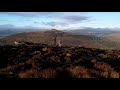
(60,20)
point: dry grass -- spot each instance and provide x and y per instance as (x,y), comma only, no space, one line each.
(47,73)
(78,72)
(102,66)
(28,74)
(114,75)
(51,62)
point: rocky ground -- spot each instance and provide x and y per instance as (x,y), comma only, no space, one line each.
(32,60)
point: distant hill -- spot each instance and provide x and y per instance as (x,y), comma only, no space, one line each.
(7,32)
(93,31)
(47,37)
(113,37)
(9,29)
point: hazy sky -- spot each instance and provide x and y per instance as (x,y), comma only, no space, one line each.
(61,20)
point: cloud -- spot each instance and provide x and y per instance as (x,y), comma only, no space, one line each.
(36,22)
(72,16)
(55,23)
(26,14)
(52,19)
(75,18)
(66,20)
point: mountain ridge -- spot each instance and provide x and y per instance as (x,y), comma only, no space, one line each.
(47,37)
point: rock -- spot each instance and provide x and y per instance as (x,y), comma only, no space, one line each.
(93,61)
(16,43)
(67,59)
(11,73)
(35,52)
(44,49)
(68,55)
(118,56)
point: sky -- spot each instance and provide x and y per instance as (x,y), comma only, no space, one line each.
(60,20)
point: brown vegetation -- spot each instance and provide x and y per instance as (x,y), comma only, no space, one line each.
(42,61)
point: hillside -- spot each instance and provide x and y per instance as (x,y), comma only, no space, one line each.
(113,37)
(47,37)
(94,31)
(32,60)
(67,38)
